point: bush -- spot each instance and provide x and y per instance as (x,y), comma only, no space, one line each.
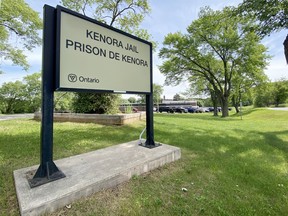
(96,103)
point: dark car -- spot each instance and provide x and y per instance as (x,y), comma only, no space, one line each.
(166,109)
(211,109)
(191,109)
(180,110)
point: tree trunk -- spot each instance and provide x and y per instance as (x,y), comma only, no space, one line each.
(225,103)
(215,111)
(237,108)
(235,104)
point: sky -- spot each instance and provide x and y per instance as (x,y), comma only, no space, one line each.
(167,16)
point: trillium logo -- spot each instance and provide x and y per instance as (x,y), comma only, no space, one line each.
(72,77)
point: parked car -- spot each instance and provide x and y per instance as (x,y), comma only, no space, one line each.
(199,110)
(166,109)
(205,109)
(211,109)
(180,110)
(191,109)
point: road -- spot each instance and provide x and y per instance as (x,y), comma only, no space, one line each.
(15,116)
(279,108)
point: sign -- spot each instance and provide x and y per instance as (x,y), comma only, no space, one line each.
(97,57)
(90,56)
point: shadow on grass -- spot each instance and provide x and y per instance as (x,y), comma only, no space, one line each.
(20,147)
(245,113)
(69,139)
(233,169)
(272,139)
(199,116)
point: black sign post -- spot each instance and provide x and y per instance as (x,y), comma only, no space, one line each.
(48,170)
(149,122)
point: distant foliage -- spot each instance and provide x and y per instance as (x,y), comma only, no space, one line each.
(271,93)
(263,95)
(177,97)
(20,97)
(280,92)
(132,100)
(25,96)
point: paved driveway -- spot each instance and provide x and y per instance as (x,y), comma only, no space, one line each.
(280,108)
(14,116)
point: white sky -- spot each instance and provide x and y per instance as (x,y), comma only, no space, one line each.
(167,16)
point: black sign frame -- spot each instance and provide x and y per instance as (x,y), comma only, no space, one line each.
(61,9)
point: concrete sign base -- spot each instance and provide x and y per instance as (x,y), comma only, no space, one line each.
(89,173)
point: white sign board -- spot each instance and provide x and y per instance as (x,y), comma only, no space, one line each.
(93,56)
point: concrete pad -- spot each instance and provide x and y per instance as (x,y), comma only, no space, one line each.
(89,173)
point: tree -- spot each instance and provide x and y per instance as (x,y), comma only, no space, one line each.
(132,100)
(17,18)
(263,95)
(32,92)
(63,101)
(11,95)
(123,14)
(19,97)
(268,93)
(280,91)
(242,86)
(141,99)
(272,15)
(217,47)
(177,97)
(157,92)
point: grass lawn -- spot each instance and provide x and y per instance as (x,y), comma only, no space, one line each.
(228,166)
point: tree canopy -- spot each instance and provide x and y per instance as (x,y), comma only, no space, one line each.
(122,14)
(18,22)
(217,48)
(272,15)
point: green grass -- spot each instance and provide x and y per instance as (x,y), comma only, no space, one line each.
(229,166)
